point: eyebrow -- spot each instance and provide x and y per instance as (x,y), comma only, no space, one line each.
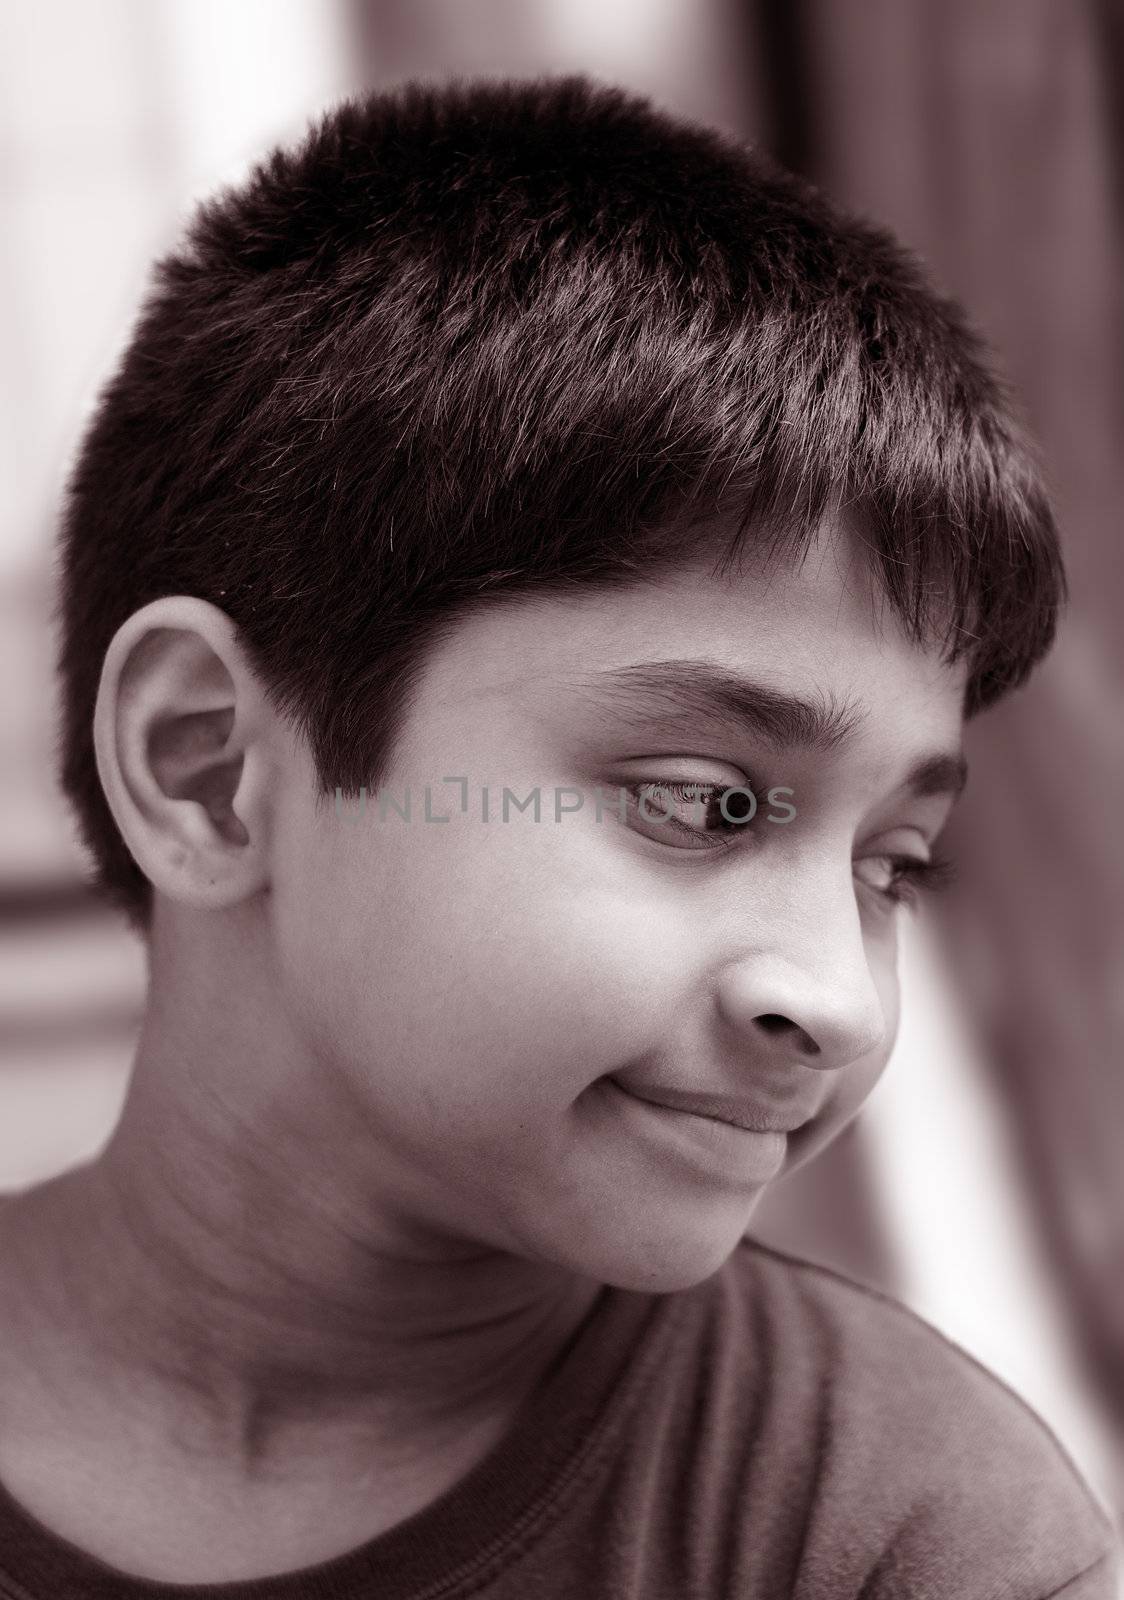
(709,693)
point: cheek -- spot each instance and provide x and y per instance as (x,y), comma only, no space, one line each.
(474,977)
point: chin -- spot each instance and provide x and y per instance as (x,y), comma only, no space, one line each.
(662,1255)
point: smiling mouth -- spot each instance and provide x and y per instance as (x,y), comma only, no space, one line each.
(748,1117)
(712,1148)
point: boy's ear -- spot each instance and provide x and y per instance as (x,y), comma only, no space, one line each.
(186,752)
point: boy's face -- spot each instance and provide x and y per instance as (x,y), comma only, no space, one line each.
(491,990)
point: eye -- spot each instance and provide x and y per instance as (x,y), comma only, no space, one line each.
(903,879)
(695,816)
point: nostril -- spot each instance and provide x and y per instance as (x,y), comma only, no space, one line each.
(773,1023)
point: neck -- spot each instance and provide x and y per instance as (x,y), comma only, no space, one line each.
(235,1289)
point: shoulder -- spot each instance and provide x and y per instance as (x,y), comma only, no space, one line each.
(887,1362)
(918,1438)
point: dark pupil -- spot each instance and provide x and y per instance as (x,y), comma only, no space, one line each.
(736,807)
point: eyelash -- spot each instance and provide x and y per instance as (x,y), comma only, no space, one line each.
(705,793)
(912,877)
(915,878)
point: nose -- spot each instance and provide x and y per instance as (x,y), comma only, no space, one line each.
(814,1001)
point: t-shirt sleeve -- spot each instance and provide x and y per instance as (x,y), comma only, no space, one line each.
(1098,1582)
(991,1506)
(936,1481)
(942,1566)
(975,1495)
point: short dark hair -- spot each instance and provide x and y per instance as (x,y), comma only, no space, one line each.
(483,338)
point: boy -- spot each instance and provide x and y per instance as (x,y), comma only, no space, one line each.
(519,598)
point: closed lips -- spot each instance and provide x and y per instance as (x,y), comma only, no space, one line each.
(741,1113)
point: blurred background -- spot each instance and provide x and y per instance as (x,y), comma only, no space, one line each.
(984,1183)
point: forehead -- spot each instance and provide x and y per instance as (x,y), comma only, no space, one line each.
(819,630)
